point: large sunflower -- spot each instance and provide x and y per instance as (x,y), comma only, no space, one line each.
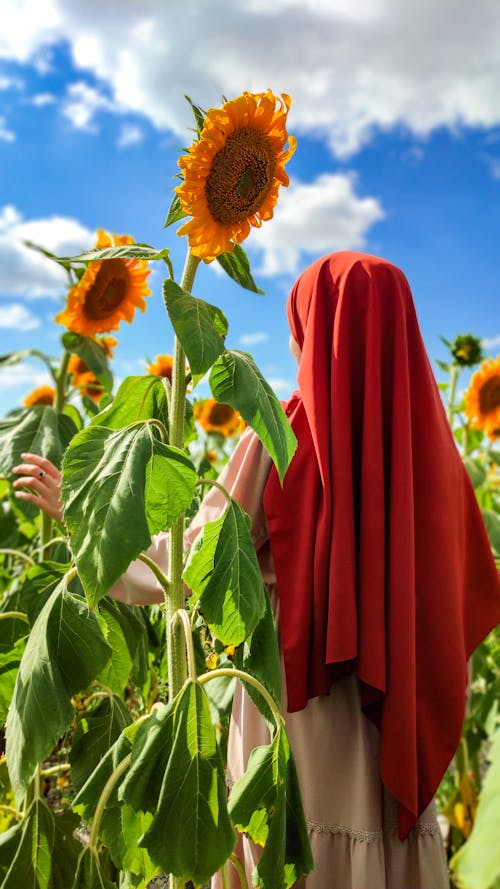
(216,417)
(482,399)
(108,292)
(41,395)
(233,172)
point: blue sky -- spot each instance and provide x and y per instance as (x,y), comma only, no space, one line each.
(397,116)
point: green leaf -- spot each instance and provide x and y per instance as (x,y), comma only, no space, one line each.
(265,804)
(9,666)
(39,430)
(199,114)
(11,358)
(87,798)
(477,473)
(175,213)
(123,251)
(26,850)
(60,261)
(261,658)
(89,874)
(64,652)
(201,327)
(91,353)
(107,482)
(71,412)
(122,628)
(190,835)
(237,266)
(235,379)
(223,570)
(492,522)
(151,751)
(96,731)
(138,398)
(477,863)
(39,584)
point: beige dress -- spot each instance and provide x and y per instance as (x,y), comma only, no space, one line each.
(351,818)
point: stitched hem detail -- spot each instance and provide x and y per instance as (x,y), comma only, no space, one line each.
(371,836)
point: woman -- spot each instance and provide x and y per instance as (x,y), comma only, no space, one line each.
(385,576)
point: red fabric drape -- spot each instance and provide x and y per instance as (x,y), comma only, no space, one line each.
(382,560)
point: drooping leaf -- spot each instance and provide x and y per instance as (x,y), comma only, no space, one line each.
(138,398)
(66,849)
(26,850)
(477,473)
(201,327)
(265,804)
(235,379)
(122,628)
(9,666)
(89,874)
(11,358)
(96,731)
(261,658)
(39,584)
(39,430)
(237,266)
(223,570)
(122,251)
(477,863)
(111,498)
(91,353)
(175,213)
(150,755)
(492,522)
(135,858)
(64,652)
(190,835)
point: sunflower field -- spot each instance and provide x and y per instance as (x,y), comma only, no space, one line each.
(115,718)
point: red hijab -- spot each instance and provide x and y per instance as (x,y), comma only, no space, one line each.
(383,563)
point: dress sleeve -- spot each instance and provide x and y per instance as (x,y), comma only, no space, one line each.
(244,477)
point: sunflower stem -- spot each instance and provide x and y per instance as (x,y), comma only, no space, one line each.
(176,651)
(450,410)
(61,382)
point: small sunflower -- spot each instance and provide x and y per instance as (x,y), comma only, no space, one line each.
(89,385)
(482,399)
(466,350)
(41,395)
(82,377)
(162,366)
(232,174)
(108,292)
(216,417)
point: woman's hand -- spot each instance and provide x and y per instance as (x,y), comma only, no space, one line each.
(44,478)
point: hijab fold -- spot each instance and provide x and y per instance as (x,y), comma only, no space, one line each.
(383,563)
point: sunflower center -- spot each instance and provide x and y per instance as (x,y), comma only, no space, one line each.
(108,290)
(221,414)
(240,176)
(489,395)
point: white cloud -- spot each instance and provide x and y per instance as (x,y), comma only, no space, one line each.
(27,273)
(41,100)
(130,134)
(253,339)
(17,317)
(315,218)
(23,376)
(6,135)
(282,386)
(491,342)
(349,66)
(10,83)
(81,104)
(493,164)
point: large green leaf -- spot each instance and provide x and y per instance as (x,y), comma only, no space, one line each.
(39,430)
(89,873)
(138,398)
(201,327)
(122,251)
(265,804)
(26,850)
(235,379)
(39,584)
(96,731)
(237,266)
(114,502)
(261,658)
(477,863)
(492,522)
(9,666)
(64,652)
(223,570)
(190,835)
(11,358)
(91,353)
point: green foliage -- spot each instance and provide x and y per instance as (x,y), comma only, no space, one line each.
(122,251)
(201,327)
(237,266)
(97,729)
(265,805)
(38,430)
(65,651)
(175,213)
(235,379)
(91,353)
(138,398)
(223,570)
(128,484)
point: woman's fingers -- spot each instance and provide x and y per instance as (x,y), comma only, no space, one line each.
(41,464)
(44,481)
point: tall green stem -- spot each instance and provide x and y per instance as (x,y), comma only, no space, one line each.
(61,382)
(454,374)
(176,652)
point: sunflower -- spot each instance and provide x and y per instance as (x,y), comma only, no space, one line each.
(41,395)
(467,350)
(108,292)
(482,399)
(89,385)
(216,417)
(233,172)
(162,366)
